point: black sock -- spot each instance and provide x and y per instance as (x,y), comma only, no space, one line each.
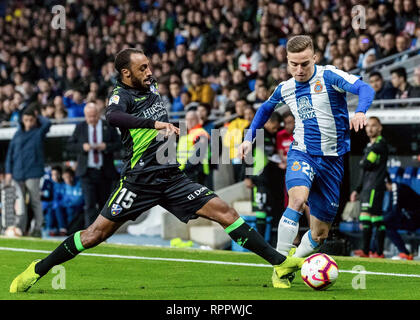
(67,250)
(380,236)
(250,239)
(261,225)
(367,234)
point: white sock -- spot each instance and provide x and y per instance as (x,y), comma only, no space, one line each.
(287,230)
(306,246)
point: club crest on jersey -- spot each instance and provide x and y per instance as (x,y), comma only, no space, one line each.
(154,89)
(114,99)
(296,166)
(115,209)
(318,87)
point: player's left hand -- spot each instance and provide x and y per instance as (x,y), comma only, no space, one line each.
(358,121)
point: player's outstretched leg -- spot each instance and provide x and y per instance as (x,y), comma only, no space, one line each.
(236,227)
(96,233)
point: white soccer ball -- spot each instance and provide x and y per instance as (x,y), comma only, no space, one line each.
(319,271)
(13,232)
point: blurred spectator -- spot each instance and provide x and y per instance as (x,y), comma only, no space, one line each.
(366,49)
(193,150)
(399,82)
(43,64)
(403,214)
(203,112)
(383,89)
(416,77)
(402,43)
(25,163)
(94,141)
(200,91)
(240,83)
(55,220)
(248,60)
(48,110)
(234,135)
(175,92)
(387,47)
(72,202)
(74,104)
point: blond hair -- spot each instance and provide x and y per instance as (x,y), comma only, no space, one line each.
(299,44)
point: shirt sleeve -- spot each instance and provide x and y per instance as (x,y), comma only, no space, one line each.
(342,81)
(117,116)
(264,112)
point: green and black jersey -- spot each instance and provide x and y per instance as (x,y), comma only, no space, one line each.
(134,112)
(373,165)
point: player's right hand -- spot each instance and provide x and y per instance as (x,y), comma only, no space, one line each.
(244,148)
(166,128)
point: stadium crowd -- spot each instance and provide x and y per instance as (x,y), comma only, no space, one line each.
(214,52)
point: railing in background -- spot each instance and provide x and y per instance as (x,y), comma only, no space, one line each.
(387,61)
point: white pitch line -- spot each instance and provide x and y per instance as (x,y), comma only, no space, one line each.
(204,261)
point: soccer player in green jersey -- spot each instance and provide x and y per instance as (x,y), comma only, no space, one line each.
(147,180)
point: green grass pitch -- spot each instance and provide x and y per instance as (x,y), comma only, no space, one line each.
(102,276)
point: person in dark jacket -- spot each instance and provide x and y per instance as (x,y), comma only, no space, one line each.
(25,163)
(371,188)
(383,89)
(94,141)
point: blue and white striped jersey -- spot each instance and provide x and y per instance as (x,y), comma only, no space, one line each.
(320,110)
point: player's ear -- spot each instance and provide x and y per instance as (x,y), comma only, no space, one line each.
(126,73)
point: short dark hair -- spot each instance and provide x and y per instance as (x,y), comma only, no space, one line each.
(69,170)
(400,72)
(122,60)
(206,106)
(29,111)
(376,118)
(287,114)
(375,74)
(58,169)
(275,117)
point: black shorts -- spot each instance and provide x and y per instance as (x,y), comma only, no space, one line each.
(371,201)
(169,188)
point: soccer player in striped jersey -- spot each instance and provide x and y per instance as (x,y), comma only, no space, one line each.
(316,95)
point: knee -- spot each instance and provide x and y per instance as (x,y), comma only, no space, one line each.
(227,215)
(91,237)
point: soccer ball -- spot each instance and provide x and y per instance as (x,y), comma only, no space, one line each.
(13,232)
(319,271)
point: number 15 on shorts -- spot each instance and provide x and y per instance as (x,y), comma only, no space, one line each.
(125,198)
